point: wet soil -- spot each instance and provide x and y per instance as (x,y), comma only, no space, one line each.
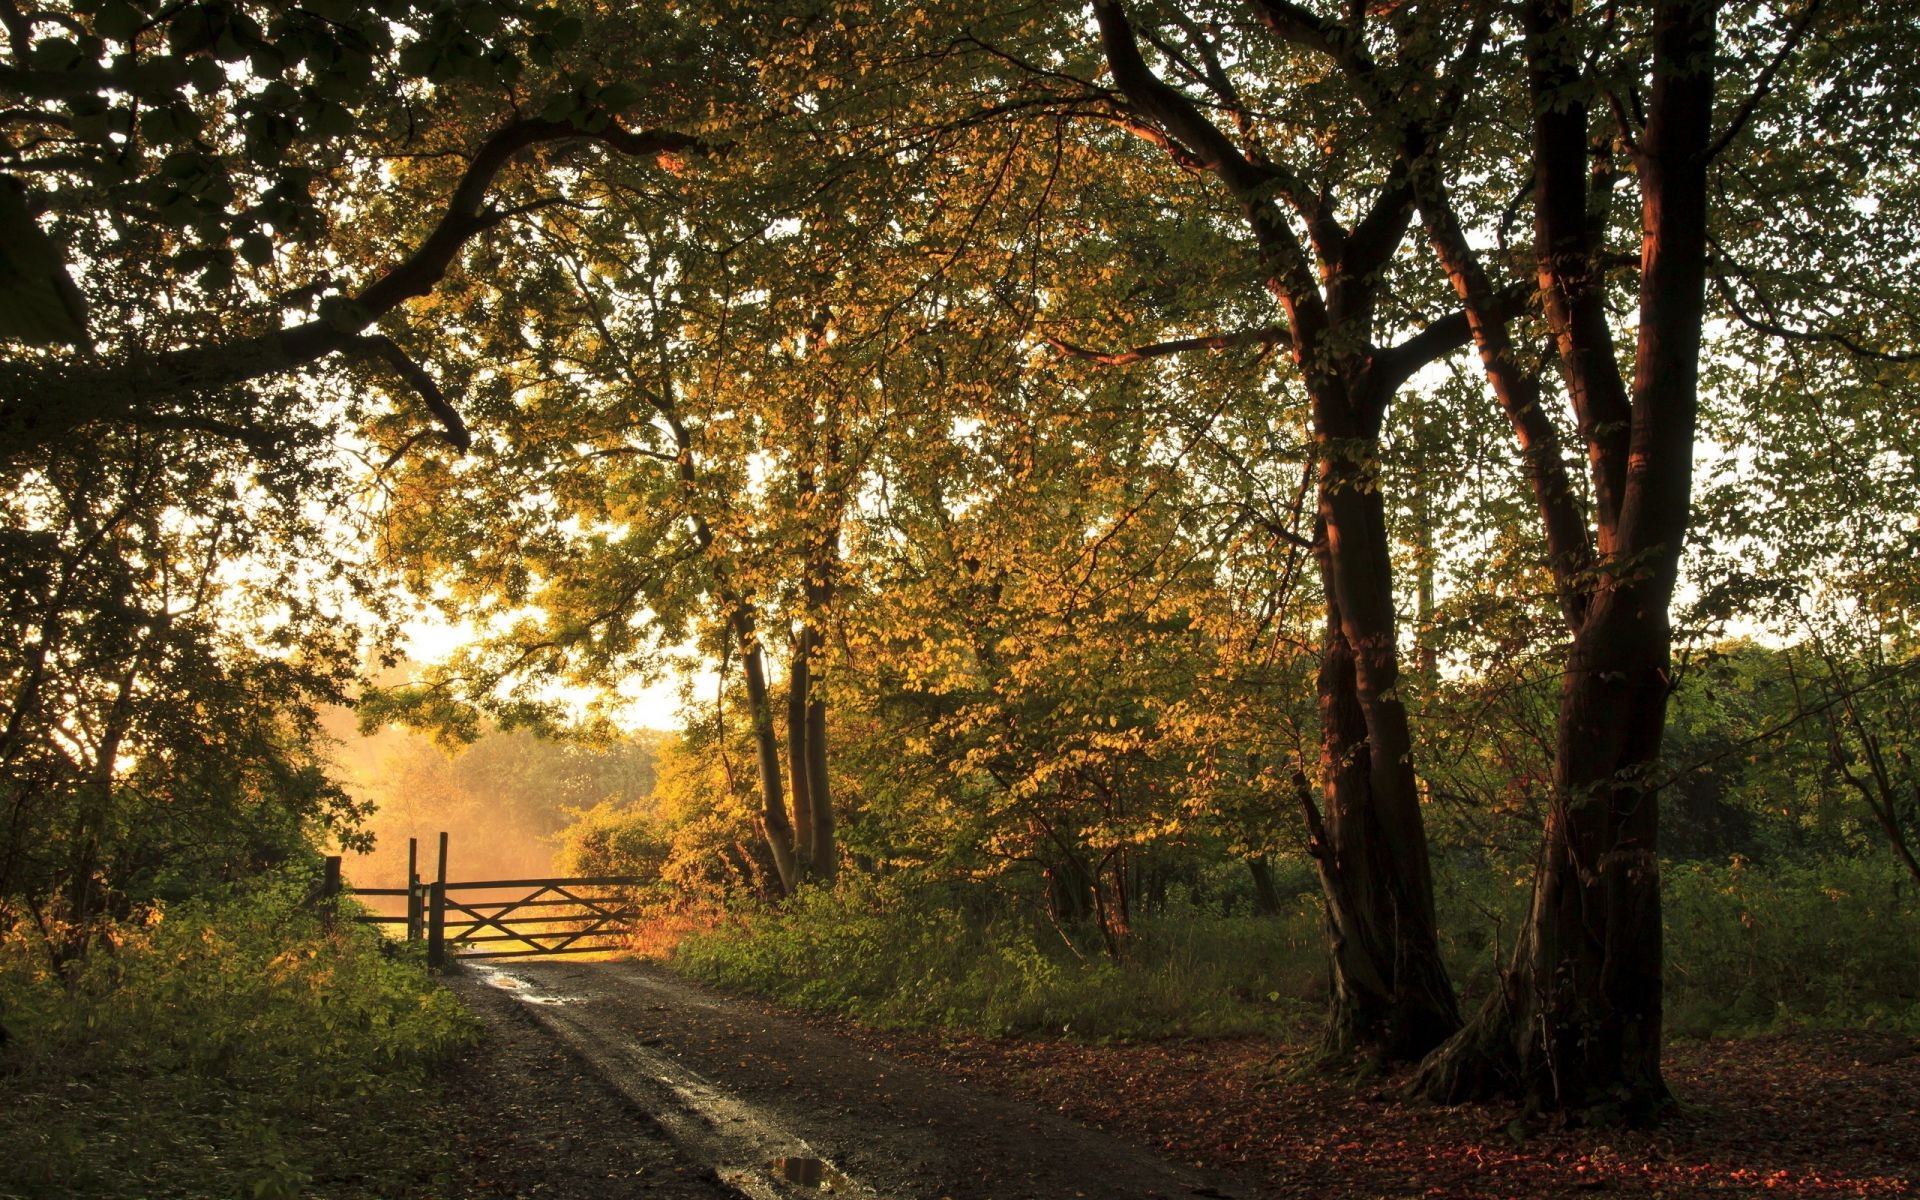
(536,1122)
(767,1084)
(929,1114)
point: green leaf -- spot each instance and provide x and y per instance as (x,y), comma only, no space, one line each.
(55,54)
(118,20)
(257,249)
(92,127)
(619,94)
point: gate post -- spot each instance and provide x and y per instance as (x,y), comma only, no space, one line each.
(329,891)
(437,912)
(413,889)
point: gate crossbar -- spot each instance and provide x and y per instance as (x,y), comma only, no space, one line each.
(603,916)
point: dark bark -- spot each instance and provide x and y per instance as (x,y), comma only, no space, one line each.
(800,777)
(1069,889)
(775,823)
(819,585)
(1576,1026)
(826,855)
(813,816)
(84,887)
(1266,896)
(1391,996)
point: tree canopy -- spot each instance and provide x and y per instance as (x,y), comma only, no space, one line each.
(1087,444)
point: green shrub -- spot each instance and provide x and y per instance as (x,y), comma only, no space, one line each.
(898,954)
(1830,943)
(228,1047)
(1833,943)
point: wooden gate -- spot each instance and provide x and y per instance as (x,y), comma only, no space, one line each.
(506,918)
(546,916)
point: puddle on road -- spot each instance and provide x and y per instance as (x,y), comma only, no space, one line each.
(807,1173)
(521,989)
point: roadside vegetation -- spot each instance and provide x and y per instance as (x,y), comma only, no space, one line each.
(1750,949)
(1785,903)
(232,1045)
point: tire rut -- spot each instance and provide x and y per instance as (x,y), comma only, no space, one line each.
(759,1097)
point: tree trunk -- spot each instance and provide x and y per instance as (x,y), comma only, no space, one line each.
(1575,1026)
(1069,888)
(826,855)
(775,824)
(1391,998)
(798,771)
(1266,897)
(1391,995)
(96,807)
(813,818)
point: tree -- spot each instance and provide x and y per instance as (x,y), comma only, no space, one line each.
(165,650)
(1577,1025)
(1327,266)
(177,181)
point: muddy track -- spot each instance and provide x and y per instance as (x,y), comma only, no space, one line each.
(778,1107)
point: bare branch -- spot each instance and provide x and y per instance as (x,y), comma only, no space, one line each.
(1266,335)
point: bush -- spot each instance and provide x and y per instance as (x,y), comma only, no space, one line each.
(1830,943)
(900,954)
(1749,950)
(224,1047)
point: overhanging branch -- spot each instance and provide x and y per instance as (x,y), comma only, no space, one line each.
(385,349)
(1266,335)
(40,402)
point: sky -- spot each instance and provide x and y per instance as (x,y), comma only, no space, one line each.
(426,638)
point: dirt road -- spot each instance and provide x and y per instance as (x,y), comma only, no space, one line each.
(779,1108)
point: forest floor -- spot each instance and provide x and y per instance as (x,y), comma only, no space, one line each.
(917,1113)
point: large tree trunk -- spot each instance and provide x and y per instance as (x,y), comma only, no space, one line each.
(1575,1027)
(1392,998)
(1390,995)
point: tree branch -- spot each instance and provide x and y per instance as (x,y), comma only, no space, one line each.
(1251,184)
(385,349)
(1266,335)
(1815,336)
(1763,83)
(44,402)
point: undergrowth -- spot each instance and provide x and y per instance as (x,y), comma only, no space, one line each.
(229,1047)
(1749,951)
(1832,944)
(932,956)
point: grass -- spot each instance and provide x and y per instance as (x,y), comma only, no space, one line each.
(1830,944)
(226,1048)
(936,957)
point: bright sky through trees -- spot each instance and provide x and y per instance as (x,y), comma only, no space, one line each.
(1084,452)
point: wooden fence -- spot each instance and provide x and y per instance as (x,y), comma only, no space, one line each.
(472,919)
